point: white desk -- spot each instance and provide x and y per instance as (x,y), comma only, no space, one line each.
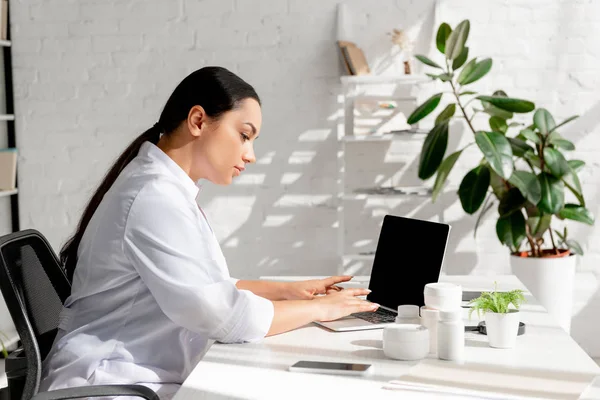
(259,370)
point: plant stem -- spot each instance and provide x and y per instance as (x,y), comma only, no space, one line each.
(461,106)
(552,240)
(531,242)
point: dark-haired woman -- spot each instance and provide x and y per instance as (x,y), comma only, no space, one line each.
(151,289)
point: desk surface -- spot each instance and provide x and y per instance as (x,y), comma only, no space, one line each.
(544,354)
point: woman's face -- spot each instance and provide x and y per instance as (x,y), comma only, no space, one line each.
(227,144)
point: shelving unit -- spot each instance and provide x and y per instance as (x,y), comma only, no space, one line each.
(9,118)
(402,92)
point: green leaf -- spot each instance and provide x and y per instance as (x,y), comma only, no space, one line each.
(530,135)
(479,71)
(576,165)
(495,111)
(574,246)
(446,114)
(467,70)
(427,61)
(460,60)
(456,41)
(442,35)
(538,225)
(445,77)
(473,188)
(498,124)
(497,151)
(509,104)
(424,109)
(519,147)
(432,76)
(533,158)
(434,148)
(553,194)
(543,121)
(571,180)
(443,172)
(498,185)
(511,202)
(566,121)
(528,184)
(511,230)
(467,93)
(556,162)
(557,140)
(576,213)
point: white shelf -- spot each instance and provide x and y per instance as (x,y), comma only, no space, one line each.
(377,79)
(359,194)
(4,193)
(7,117)
(5,43)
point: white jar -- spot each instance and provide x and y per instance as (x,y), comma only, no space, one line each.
(451,335)
(442,295)
(405,341)
(429,319)
(408,314)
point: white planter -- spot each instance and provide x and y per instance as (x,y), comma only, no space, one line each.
(502,329)
(550,281)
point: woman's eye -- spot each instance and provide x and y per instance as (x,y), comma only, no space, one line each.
(244,136)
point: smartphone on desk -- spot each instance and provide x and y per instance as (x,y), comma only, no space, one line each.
(326,367)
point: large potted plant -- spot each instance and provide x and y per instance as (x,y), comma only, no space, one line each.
(523,169)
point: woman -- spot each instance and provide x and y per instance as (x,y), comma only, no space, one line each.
(151,289)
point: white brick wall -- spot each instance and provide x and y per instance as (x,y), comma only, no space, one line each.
(91,75)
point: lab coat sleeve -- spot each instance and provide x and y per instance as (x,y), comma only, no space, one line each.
(164,242)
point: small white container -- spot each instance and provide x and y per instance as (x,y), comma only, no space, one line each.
(405,341)
(429,319)
(451,336)
(408,314)
(443,295)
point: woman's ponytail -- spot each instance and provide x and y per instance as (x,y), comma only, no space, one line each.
(68,253)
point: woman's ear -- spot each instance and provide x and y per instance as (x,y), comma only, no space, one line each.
(197,120)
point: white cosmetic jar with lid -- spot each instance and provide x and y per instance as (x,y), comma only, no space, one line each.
(405,341)
(443,295)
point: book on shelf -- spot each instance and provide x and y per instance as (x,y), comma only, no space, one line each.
(8,169)
(353,58)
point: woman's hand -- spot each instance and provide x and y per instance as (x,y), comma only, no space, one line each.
(307,290)
(342,303)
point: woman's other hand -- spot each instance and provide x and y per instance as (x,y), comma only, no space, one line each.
(307,290)
(342,303)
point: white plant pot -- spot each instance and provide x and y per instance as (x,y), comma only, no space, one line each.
(502,329)
(550,281)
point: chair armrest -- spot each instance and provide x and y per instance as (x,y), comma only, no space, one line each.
(98,391)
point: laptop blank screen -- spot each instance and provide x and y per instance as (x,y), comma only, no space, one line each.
(409,254)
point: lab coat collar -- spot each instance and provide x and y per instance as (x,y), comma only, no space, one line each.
(155,153)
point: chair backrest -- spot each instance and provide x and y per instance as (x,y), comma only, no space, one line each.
(34,286)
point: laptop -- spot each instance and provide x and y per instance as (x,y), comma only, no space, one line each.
(409,254)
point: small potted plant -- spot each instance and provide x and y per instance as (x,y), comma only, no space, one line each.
(501,313)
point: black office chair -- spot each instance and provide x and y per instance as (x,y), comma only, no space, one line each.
(34,286)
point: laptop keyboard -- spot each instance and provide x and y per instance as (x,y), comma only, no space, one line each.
(381,315)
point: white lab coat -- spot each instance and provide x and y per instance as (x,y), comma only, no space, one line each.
(151,291)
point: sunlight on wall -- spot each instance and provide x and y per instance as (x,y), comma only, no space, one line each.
(314,135)
(301,200)
(273,221)
(301,157)
(249,179)
(266,159)
(290,177)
